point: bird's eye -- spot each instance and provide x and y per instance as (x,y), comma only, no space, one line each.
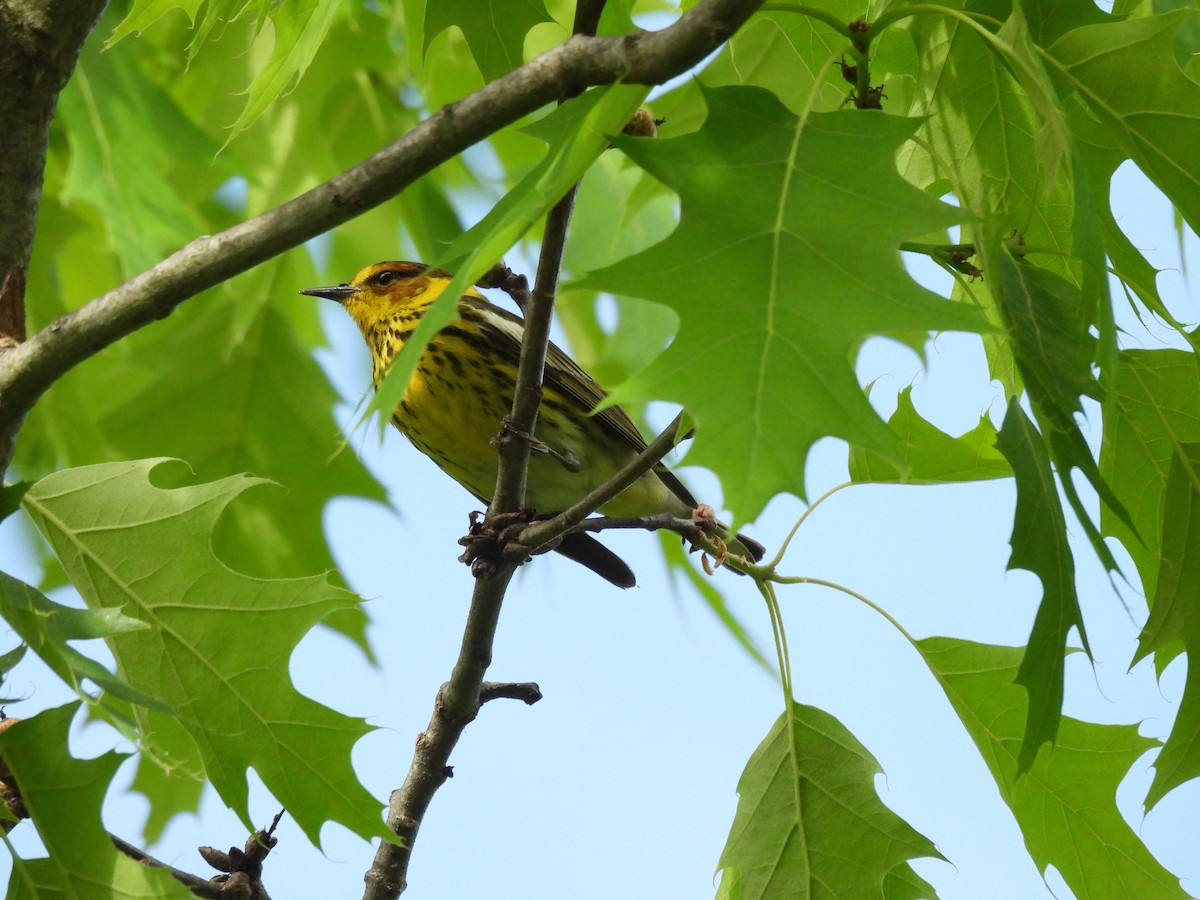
(386,277)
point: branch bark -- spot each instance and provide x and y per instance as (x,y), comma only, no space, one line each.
(28,370)
(201,887)
(40,42)
(456,705)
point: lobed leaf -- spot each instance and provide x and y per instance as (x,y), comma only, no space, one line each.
(1065,803)
(1039,545)
(218,642)
(1126,73)
(1151,454)
(783,257)
(495,29)
(929,455)
(810,824)
(64,796)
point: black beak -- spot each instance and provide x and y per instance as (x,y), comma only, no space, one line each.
(337,294)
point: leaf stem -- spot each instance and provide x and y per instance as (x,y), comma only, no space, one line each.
(821,582)
(813,13)
(551,529)
(783,548)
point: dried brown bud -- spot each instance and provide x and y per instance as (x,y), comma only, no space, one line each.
(218,859)
(497,276)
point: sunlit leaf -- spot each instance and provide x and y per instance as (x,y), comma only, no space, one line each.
(1126,73)
(1039,545)
(1066,803)
(809,822)
(218,643)
(782,257)
(64,795)
(494,29)
(930,456)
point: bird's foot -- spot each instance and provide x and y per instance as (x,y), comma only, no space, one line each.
(705,519)
(487,538)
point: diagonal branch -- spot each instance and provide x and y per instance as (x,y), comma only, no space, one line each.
(551,529)
(201,887)
(456,706)
(29,369)
(514,447)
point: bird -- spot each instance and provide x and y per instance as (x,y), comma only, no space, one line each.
(462,387)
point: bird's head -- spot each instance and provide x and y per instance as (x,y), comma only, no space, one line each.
(381,291)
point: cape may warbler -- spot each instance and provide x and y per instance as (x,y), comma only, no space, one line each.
(463,387)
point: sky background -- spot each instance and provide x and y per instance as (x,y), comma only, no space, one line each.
(622,781)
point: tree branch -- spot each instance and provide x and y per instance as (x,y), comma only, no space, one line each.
(514,442)
(201,887)
(549,530)
(28,370)
(459,700)
(456,705)
(40,42)
(525,691)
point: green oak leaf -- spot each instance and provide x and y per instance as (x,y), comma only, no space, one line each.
(1099,157)
(1126,73)
(146,191)
(810,823)
(1151,455)
(1150,417)
(930,456)
(63,796)
(1175,617)
(297,32)
(10,497)
(1054,350)
(495,29)
(10,659)
(1066,803)
(218,642)
(47,627)
(783,263)
(255,401)
(1039,545)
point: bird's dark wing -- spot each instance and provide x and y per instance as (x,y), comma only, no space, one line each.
(564,375)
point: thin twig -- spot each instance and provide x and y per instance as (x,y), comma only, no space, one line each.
(511,442)
(201,887)
(525,691)
(541,533)
(456,705)
(688,528)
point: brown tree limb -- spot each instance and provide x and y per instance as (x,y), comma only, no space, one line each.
(525,691)
(201,887)
(28,370)
(40,42)
(549,530)
(456,705)
(513,442)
